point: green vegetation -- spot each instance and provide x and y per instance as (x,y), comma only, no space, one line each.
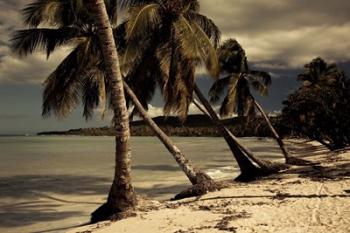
(319,109)
(194,126)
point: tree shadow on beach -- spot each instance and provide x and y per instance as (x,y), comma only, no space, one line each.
(32,186)
(26,200)
(161,191)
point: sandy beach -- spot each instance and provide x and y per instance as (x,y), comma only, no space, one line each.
(301,199)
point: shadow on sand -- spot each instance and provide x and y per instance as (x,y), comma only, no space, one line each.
(27,200)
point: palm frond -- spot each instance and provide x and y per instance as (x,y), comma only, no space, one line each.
(40,11)
(229,104)
(178,92)
(143,81)
(196,44)
(142,20)
(90,94)
(25,42)
(55,13)
(137,29)
(127,4)
(218,88)
(207,25)
(259,87)
(63,87)
(264,76)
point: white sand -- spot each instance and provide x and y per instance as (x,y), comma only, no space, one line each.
(309,199)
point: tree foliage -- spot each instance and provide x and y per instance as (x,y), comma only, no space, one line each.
(175,37)
(319,109)
(238,81)
(154,33)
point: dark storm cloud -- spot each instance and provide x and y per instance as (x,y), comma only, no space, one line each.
(13,69)
(285,33)
(277,34)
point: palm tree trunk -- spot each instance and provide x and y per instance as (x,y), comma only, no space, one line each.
(249,171)
(274,133)
(289,159)
(194,174)
(121,198)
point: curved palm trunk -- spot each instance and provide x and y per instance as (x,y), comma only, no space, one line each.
(249,171)
(289,159)
(194,174)
(121,198)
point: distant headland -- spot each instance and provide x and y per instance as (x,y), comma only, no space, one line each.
(194,126)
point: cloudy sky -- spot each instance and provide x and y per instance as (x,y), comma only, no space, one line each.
(278,35)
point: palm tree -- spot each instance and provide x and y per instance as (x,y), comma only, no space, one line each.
(81,74)
(121,196)
(174,34)
(72,24)
(318,72)
(318,109)
(239,82)
(179,37)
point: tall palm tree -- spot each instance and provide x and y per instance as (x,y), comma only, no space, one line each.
(238,83)
(66,28)
(175,34)
(179,37)
(82,73)
(121,196)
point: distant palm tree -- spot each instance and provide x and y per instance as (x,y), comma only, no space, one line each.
(319,108)
(238,83)
(82,74)
(318,72)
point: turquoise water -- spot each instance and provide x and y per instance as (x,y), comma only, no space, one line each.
(49,174)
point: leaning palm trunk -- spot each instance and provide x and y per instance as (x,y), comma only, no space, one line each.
(194,174)
(289,159)
(249,171)
(121,198)
(273,131)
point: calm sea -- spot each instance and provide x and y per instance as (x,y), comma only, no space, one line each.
(49,182)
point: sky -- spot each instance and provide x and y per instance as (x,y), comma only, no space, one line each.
(279,36)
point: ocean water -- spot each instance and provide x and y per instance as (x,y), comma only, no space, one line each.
(47,182)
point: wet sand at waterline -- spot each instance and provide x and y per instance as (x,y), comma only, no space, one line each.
(51,184)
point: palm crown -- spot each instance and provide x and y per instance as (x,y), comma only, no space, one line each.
(156,35)
(178,38)
(318,71)
(238,81)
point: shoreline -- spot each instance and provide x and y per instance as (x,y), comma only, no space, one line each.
(300,199)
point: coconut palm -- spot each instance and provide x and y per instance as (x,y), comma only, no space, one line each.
(318,72)
(319,108)
(238,83)
(175,36)
(81,76)
(121,196)
(67,27)
(174,33)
